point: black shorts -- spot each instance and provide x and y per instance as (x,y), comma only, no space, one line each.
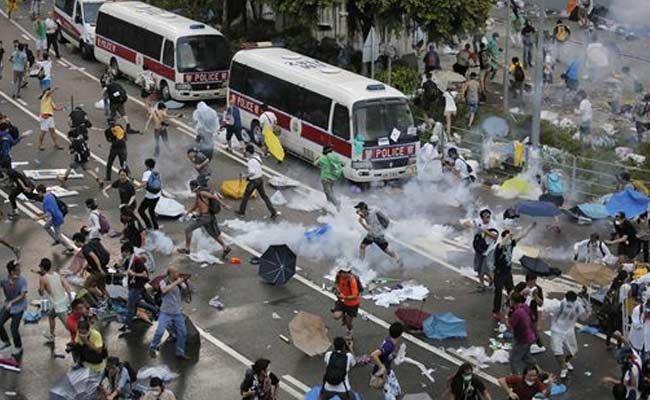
(379,241)
(351,311)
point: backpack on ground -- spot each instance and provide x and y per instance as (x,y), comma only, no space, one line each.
(519,73)
(62,206)
(337,368)
(561,34)
(153,183)
(384,221)
(104,224)
(555,184)
(479,244)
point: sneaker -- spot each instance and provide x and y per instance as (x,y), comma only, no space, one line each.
(564,373)
(4,345)
(49,339)
(226,251)
(569,366)
(535,349)
(17,351)
(153,353)
(275,215)
(55,243)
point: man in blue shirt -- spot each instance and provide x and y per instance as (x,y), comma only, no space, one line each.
(19,64)
(233,126)
(14,288)
(571,76)
(55,220)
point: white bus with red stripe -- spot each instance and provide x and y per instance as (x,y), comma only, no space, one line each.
(367,123)
(189,59)
(77,18)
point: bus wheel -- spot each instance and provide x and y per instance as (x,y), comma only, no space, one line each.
(86,53)
(256,133)
(165,93)
(115,69)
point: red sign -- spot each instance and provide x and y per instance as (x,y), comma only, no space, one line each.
(379,153)
(205,77)
(244,104)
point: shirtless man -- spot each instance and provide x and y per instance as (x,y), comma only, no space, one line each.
(205,204)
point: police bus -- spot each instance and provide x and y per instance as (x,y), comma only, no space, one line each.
(367,123)
(189,59)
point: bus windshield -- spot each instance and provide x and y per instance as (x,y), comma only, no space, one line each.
(90,12)
(202,53)
(376,119)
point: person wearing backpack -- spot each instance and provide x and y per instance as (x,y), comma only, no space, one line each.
(336,381)
(331,170)
(55,218)
(137,278)
(98,224)
(255,179)
(116,136)
(553,186)
(348,293)
(592,250)
(460,168)
(375,223)
(641,114)
(117,98)
(117,380)
(518,77)
(484,227)
(259,383)
(90,347)
(431,59)
(208,206)
(97,259)
(152,185)
(80,153)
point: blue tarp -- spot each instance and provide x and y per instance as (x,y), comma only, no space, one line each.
(537,209)
(444,326)
(594,210)
(629,201)
(316,233)
(315,392)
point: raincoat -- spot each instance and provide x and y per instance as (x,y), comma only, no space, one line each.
(429,164)
(207,120)
(330,167)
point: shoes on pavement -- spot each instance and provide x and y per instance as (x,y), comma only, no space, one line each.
(275,215)
(153,353)
(564,373)
(183,250)
(535,349)
(55,243)
(49,339)
(226,251)
(569,366)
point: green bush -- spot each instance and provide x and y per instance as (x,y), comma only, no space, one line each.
(406,79)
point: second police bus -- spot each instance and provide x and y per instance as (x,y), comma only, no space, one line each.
(367,123)
(189,59)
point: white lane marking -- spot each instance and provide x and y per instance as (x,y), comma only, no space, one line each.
(25,37)
(21,101)
(62,63)
(296,383)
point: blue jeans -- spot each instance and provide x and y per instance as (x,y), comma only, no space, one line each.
(135,295)
(166,321)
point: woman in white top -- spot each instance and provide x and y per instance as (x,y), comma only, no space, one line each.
(57,291)
(333,371)
(450,108)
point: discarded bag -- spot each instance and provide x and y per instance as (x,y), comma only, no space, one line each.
(234,188)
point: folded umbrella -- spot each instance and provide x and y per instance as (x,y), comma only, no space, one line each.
(411,317)
(277,265)
(539,267)
(309,334)
(537,209)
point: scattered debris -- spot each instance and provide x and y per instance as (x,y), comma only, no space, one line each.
(276,316)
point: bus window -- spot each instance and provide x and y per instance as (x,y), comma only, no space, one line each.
(376,120)
(237,78)
(341,122)
(90,12)
(202,53)
(150,44)
(66,6)
(168,54)
(77,14)
(315,108)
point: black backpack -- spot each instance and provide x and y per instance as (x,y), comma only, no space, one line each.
(62,206)
(116,93)
(519,73)
(337,368)
(479,244)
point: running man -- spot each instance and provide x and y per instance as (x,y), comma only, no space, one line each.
(348,299)
(375,223)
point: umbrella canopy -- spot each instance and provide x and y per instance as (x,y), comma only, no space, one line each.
(309,334)
(537,209)
(539,267)
(632,202)
(277,265)
(495,127)
(412,317)
(444,326)
(77,384)
(592,274)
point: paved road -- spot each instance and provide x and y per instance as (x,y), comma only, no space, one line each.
(245,330)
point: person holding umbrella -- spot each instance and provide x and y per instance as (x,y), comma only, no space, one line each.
(348,293)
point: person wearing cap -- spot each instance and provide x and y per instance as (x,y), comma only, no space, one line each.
(428,163)
(331,170)
(255,179)
(641,113)
(158,391)
(259,383)
(375,223)
(201,164)
(206,219)
(58,293)
(348,299)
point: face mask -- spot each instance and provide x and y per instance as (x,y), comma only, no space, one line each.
(467,377)
(157,391)
(529,383)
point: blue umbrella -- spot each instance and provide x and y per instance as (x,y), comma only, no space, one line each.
(314,394)
(444,326)
(537,209)
(632,202)
(277,265)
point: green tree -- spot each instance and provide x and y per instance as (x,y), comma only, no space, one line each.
(445,18)
(301,12)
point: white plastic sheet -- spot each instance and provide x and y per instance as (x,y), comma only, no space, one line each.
(159,242)
(157,371)
(409,291)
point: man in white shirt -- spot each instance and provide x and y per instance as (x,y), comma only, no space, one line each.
(336,381)
(267,118)
(586,115)
(94,226)
(592,250)
(487,229)
(51,29)
(563,328)
(255,179)
(460,168)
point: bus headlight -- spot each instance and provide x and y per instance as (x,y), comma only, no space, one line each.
(183,86)
(361,165)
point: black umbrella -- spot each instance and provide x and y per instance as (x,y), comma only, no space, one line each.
(277,265)
(539,267)
(77,384)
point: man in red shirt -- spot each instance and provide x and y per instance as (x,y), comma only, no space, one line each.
(526,386)
(523,334)
(348,293)
(79,312)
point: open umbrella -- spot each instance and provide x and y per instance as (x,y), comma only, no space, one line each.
(537,209)
(77,384)
(633,203)
(277,265)
(309,334)
(592,274)
(539,267)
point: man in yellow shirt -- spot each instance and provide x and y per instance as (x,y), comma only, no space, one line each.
(46,118)
(90,347)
